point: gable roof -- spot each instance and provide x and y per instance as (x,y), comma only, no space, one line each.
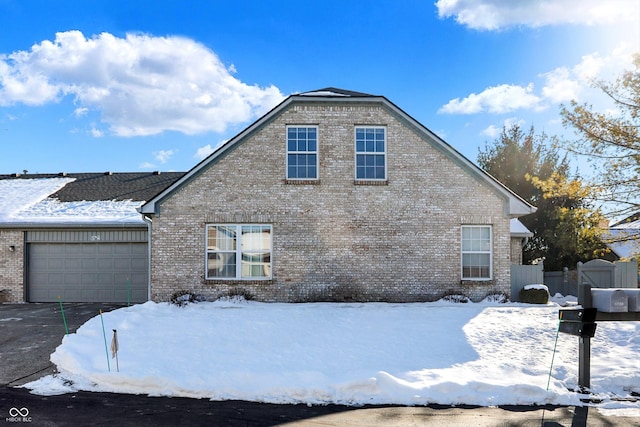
(516,206)
(78,199)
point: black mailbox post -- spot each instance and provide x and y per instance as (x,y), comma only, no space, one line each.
(581,323)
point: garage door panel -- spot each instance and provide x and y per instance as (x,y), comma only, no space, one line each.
(121,264)
(73,264)
(55,263)
(88,264)
(78,272)
(104,263)
(75,249)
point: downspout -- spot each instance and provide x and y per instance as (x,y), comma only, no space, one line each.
(149,243)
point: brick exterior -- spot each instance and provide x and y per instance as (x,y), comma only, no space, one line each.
(11,266)
(334,240)
(516,250)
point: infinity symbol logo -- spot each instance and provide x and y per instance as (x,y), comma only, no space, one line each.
(14,412)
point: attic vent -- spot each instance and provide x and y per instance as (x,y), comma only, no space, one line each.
(108,173)
(157,172)
(62,174)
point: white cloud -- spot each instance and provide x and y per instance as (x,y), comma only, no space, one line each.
(495,131)
(561,85)
(140,84)
(147,165)
(203,152)
(491,131)
(497,99)
(96,133)
(163,156)
(499,14)
(80,112)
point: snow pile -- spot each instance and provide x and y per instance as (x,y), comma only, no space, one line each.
(410,354)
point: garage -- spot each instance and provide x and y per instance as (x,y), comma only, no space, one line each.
(87,266)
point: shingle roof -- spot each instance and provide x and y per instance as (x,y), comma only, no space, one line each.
(333,91)
(138,186)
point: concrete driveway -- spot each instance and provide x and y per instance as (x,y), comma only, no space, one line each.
(29,333)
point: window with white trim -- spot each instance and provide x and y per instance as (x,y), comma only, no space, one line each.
(238,251)
(302,152)
(476,252)
(371,153)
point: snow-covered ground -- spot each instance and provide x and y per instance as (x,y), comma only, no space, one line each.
(376,353)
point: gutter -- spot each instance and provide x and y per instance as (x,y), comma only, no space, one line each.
(149,223)
(31,225)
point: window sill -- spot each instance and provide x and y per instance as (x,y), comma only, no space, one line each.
(371,182)
(302,181)
(237,282)
(476,282)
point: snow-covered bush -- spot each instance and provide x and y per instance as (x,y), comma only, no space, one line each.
(534,294)
(498,297)
(236,294)
(183,297)
(456,298)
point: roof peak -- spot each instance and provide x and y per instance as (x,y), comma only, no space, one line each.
(335,92)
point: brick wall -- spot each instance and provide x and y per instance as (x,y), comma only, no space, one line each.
(11,266)
(516,250)
(334,240)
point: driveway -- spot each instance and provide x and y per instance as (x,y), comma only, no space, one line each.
(29,333)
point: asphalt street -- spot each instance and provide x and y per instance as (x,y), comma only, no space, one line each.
(29,333)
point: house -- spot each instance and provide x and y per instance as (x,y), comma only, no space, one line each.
(76,236)
(334,195)
(623,239)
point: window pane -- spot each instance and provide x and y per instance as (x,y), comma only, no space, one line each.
(221,264)
(256,247)
(225,238)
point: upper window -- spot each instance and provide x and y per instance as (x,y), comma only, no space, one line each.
(476,252)
(371,162)
(302,152)
(228,243)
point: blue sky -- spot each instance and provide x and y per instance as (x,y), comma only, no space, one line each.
(88,86)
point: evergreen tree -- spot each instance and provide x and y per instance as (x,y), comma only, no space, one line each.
(565,228)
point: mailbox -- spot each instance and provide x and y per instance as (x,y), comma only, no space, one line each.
(578,322)
(634,299)
(610,300)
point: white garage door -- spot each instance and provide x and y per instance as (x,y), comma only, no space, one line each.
(87,272)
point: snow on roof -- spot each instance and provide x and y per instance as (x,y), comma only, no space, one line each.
(100,211)
(19,194)
(518,229)
(626,241)
(26,201)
